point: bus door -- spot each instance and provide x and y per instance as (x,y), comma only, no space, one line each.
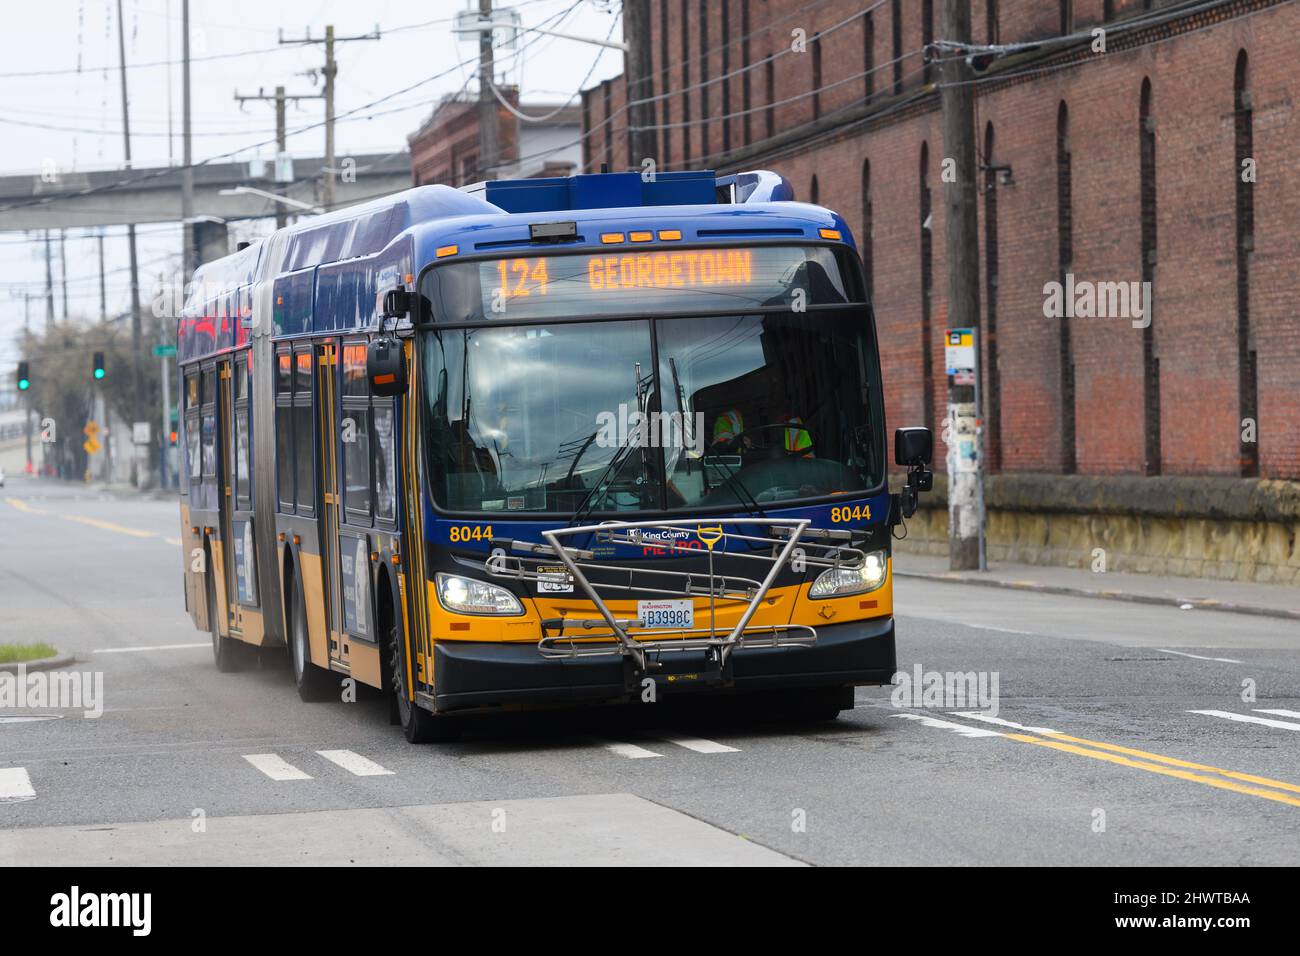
(225,493)
(327,428)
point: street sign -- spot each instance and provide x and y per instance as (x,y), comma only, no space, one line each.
(91,430)
(162,351)
(140,433)
(959,351)
(92,446)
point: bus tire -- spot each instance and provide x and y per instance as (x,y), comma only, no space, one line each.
(819,704)
(419,726)
(313,683)
(225,653)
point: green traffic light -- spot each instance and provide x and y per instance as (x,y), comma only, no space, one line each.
(23,385)
(99,373)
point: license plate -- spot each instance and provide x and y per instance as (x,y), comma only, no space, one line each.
(662,615)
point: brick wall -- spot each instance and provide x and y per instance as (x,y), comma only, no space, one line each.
(1190,65)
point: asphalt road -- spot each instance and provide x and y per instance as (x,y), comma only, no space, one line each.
(1096,755)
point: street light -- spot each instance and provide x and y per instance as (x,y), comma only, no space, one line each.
(254,191)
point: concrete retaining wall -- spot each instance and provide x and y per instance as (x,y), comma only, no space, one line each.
(1225,528)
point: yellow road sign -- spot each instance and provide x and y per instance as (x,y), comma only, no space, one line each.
(92,446)
(92,430)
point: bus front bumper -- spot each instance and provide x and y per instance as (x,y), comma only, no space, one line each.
(475,674)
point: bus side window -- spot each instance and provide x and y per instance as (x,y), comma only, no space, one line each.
(208,437)
(284,429)
(193,460)
(243,483)
(355,426)
(303,432)
(385,449)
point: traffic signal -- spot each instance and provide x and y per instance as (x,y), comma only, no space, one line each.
(24,381)
(98,370)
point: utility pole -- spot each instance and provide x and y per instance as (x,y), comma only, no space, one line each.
(187,170)
(137,359)
(488,147)
(640,83)
(103,296)
(330,72)
(281,144)
(965,446)
(49,284)
(63,269)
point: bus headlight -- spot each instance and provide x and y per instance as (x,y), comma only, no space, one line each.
(837,582)
(468,596)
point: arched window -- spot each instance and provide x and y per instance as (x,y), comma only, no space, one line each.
(927,34)
(1244,178)
(869,53)
(1150,357)
(1065,262)
(769,77)
(686,82)
(927,286)
(817,76)
(896,28)
(992,379)
(1067,16)
(864,236)
(991,21)
(814,194)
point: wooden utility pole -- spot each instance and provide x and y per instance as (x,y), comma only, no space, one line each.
(961,235)
(281,144)
(189,261)
(329,73)
(488,147)
(137,344)
(640,82)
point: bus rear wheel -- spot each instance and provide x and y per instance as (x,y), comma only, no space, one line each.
(313,683)
(225,650)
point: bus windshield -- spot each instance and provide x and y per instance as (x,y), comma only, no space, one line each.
(727,412)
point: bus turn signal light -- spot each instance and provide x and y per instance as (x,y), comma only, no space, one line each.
(609,238)
(829,234)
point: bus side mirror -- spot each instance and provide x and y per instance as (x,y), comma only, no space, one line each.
(386,366)
(913,449)
(397,303)
(913,446)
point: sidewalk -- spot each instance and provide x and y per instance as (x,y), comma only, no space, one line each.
(1270,600)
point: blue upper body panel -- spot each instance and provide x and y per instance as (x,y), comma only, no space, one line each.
(329,273)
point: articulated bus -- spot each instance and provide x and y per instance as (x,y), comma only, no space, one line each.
(530,443)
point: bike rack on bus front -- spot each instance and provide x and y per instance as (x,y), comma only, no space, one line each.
(789,538)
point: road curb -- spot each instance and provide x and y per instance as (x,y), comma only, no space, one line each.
(1199,604)
(40,664)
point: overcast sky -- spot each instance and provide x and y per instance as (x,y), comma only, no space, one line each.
(58,68)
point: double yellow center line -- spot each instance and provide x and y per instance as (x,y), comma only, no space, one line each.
(99,523)
(1167,766)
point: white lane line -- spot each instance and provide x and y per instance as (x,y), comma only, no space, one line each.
(354,763)
(1248,719)
(275,767)
(15,785)
(30,718)
(989,719)
(698,744)
(962,729)
(1198,657)
(149,647)
(631,751)
(1279,713)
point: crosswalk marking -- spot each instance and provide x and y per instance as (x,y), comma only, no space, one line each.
(1248,719)
(631,751)
(354,763)
(699,745)
(15,785)
(1279,713)
(276,767)
(962,729)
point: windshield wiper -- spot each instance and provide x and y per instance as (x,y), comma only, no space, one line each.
(739,489)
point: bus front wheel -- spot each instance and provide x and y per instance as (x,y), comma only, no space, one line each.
(418,725)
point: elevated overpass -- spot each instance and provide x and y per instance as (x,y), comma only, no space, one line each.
(88,199)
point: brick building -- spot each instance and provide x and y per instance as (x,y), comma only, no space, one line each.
(445,149)
(1120,166)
